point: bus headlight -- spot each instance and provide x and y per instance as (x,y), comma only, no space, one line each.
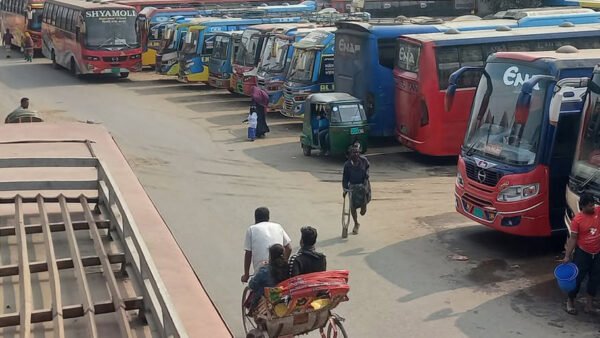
(136,56)
(459,180)
(518,192)
(91,58)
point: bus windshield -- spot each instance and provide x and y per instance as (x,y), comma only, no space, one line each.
(246,55)
(106,30)
(495,130)
(348,112)
(301,68)
(189,45)
(35,24)
(220,47)
(274,55)
(587,165)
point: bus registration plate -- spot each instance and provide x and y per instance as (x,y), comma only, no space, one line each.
(477,212)
(356,131)
(116,70)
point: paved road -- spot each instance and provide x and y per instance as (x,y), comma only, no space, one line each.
(186,144)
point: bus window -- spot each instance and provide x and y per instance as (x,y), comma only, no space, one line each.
(386,50)
(519,46)
(447,59)
(209,42)
(470,56)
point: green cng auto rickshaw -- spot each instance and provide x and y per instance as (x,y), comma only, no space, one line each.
(333,122)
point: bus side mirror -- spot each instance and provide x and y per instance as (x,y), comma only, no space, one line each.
(453,84)
(29,14)
(524,99)
(555,107)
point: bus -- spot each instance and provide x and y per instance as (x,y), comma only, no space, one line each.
(366,51)
(148,22)
(520,142)
(247,59)
(424,62)
(172,43)
(205,5)
(220,63)
(91,38)
(22,16)
(311,70)
(585,172)
(275,62)
(198,44)
(593,4)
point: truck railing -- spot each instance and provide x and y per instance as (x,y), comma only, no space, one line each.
(110,215)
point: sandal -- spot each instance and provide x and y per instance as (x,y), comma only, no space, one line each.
(571,310)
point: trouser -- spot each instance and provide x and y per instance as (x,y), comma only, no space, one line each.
(324,139)
(251,133)
(589,266)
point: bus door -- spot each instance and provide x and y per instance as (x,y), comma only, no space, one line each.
(562,148)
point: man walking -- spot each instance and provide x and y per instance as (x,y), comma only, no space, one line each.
(356,181)
(259,238)
(7,42)
(584,246)
(307,260)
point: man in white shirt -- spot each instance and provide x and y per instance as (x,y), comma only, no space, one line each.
(259,238)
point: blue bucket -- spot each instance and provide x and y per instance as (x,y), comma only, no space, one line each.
(566,276)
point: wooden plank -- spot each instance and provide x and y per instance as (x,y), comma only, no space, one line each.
(84,290)
(25,304)
(62,264)
(11,200)
(54,279)
(122,318)
(59,162)
(72,311)
(54,227)
(48,185)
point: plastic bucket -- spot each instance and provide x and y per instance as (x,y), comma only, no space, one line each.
(566,276)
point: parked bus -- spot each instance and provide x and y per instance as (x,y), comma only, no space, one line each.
(220,63)
(519,146)
(311,70)
(21,16)
(585,173)
(275,62)
(205,5)
(392,9)
(172,43)
(247,59)
(197,47)
(594,4)
(424,62)
(366,51)
(150,35)
(91,38)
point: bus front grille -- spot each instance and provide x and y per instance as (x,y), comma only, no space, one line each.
(483,176)
(114,58)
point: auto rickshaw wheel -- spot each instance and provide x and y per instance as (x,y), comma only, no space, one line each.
(306,150)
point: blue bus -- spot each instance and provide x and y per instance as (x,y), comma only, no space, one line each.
(311,70)
(220,64)
(171,42)
(275,61)
(365,53)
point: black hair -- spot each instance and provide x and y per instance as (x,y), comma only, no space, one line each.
(261,214)
(24,99)
(309,236)
(277,263)
(586,199)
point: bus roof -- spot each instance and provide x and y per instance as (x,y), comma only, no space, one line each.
(84,5)
(316,38)
(153,11)
(489,36)
(565,53)
(269,27)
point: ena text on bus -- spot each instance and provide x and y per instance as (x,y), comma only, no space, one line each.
(518,149)
(91,38)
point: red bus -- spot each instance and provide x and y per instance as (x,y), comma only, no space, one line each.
(22,16)
(91,38)
(425,61)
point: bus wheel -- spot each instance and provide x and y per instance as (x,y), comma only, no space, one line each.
(306,150)
(124,75)
(73,67)
(54,64)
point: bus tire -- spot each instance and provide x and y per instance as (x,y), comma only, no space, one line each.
(53,57)
(124,75)
(73,68)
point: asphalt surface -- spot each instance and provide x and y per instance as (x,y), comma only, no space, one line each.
(187,145)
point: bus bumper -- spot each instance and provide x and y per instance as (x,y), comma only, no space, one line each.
(528,217)
(217,82)
(149,58)
(193,77)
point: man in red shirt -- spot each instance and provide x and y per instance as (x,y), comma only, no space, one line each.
(584,245)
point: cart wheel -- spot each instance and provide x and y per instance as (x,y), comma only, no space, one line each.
(306,150)
(335,329)
(247,320)
(346,215)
